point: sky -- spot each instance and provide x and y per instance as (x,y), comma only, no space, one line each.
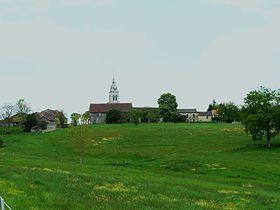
(62,54)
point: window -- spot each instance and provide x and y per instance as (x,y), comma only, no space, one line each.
(187,115)
(193,115)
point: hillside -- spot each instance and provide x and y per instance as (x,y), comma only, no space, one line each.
(170,166)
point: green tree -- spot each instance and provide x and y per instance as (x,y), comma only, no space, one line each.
(75,117)
(228,113)
(81,139)
(152,115)
(213,106)
(30,121)
(85,118)
(167,107)
(135,116)
(261,114)
(22,109)
(113,116)
(61,119)
(178,118)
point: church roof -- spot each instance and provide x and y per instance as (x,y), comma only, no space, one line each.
(104,108)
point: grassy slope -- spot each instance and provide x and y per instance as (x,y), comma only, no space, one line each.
(184,166)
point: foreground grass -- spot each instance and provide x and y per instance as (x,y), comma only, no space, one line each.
(168,166)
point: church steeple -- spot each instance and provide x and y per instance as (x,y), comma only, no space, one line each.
(114,93)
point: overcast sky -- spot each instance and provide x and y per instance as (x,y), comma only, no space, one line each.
(62,54)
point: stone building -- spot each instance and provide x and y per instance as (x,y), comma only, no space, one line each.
(192,115)
(98,112)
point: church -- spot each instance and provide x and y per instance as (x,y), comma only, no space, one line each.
(98,112)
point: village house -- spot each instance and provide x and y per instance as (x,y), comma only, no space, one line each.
(192,115)
(49,116)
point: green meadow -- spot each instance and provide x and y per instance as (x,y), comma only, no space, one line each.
(149,166)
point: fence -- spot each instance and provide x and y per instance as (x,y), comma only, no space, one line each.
(3,204)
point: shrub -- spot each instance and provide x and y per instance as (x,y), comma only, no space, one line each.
(135,117)
(30,122)
(177,118)
(113,116)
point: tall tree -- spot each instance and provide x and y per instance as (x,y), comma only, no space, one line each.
(261,114)
(75,117)
(167,107)
(22,109)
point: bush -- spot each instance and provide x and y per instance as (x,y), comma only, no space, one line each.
(177,118)
(149,115)
(135,117)
(30,122)
(113,116)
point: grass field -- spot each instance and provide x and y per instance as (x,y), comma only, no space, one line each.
(150,166)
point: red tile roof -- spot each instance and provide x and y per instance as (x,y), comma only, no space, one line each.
(48,115)
(104,108)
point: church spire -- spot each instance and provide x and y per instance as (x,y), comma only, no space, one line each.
(114,93)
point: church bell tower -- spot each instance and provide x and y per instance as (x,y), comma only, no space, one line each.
(114,93)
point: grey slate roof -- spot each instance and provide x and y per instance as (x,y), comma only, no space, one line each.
(208,113)
(187,110)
